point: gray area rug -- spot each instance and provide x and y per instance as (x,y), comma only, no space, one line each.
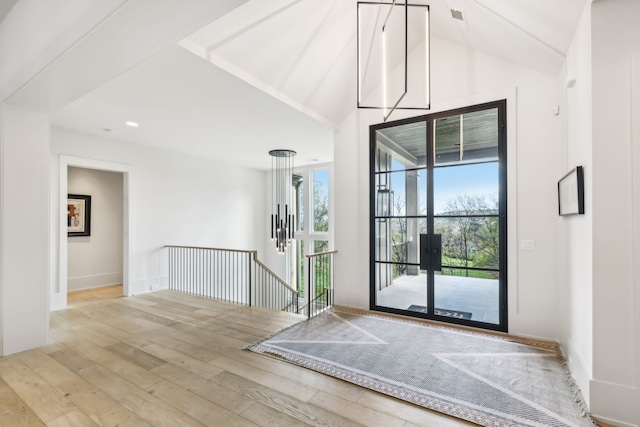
(486,379)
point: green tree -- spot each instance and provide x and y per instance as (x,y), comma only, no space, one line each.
(321,268)
(322,274)
(320,207)
(398,238)
(488,243)
(469,237)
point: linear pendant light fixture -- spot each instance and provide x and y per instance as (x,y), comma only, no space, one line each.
(282,218)
(401,91)
(393,56)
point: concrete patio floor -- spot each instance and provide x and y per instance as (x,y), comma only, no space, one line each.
(469,294)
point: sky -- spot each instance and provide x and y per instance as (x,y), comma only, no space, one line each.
(450,182)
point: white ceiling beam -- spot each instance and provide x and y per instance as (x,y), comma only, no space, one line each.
(238,72)
(520,29)
(34,34)
(123,39)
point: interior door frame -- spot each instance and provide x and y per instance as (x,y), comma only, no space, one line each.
(59,293)
(501,105)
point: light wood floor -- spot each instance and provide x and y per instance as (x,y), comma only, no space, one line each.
(96,294)
(169,359)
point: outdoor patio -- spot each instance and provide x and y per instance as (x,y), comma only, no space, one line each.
(452,293)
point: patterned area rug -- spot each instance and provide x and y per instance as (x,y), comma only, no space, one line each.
(482,378)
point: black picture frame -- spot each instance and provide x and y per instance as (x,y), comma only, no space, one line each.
(78,215)
(571,193)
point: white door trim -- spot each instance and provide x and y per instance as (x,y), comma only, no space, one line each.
(59,298)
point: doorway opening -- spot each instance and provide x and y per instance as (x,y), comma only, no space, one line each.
(95,219)
(83,280)
(438,200)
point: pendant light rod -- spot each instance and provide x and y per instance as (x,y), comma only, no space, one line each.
(282,219)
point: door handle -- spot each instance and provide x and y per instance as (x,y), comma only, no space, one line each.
(424,252)
(436,251)
(431,252)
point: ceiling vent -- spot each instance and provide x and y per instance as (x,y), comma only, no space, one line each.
(457,14)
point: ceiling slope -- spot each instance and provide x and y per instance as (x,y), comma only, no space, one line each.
(303,51)
(5,8)
(99,41)
(282,74)
(184,104)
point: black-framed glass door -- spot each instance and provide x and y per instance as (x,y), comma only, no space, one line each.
(439,215)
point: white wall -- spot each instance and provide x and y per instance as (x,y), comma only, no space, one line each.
(576,236)
(535,145)
(615,388)
(24,229)
(96,260)
(176,200)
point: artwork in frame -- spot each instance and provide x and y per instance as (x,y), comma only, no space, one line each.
(571,193)
(78,215)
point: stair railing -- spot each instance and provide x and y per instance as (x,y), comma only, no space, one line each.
(230,275)
(319,296)
(272,292)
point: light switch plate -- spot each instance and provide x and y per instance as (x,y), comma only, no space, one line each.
(527,245)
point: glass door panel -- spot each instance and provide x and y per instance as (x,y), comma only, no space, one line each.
(439,217)
(466,189)
(400,204)
(466,138)
(404,144)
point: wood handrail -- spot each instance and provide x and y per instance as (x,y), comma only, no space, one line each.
(324,292)
(255,253)
(321,253)
(282,282)
(213,249)
(262,281)
(255,258)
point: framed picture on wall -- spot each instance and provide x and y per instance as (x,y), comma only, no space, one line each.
(78,215)
(571,192)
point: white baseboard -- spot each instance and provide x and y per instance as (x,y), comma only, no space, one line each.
(580,372)
(613,422)
(93,281)
(533,337)
(615,404)
(92,287)
(57,301)
(151,284)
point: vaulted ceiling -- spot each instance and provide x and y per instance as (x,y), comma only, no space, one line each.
(5,8)
(282,74)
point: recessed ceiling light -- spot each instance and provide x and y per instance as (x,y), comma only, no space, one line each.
(132,124)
